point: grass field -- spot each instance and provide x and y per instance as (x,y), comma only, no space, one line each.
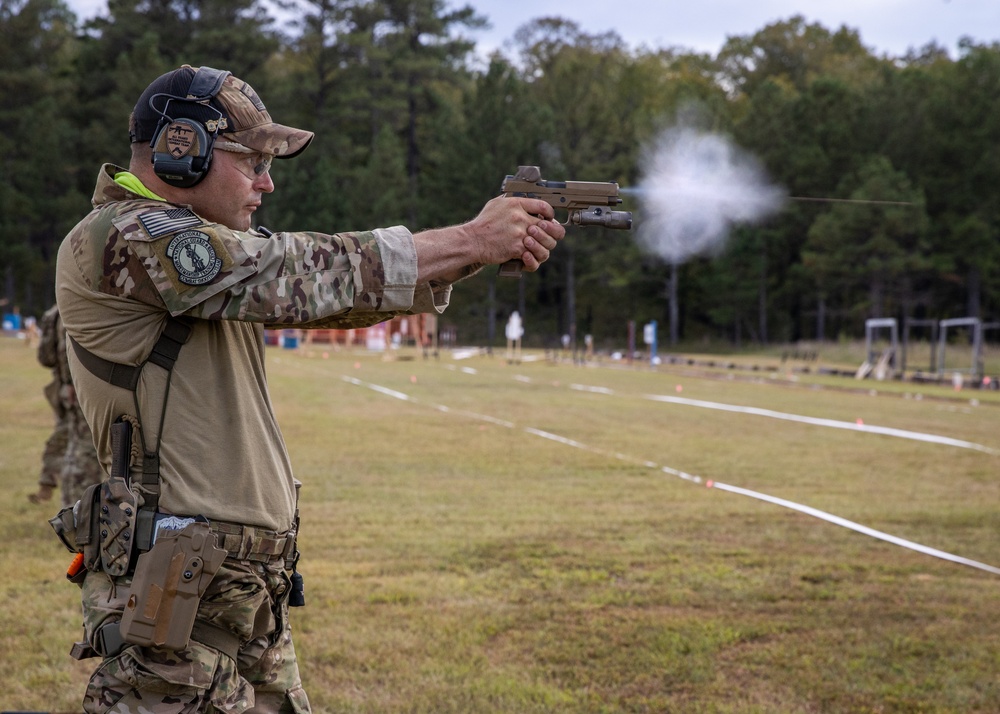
(484,537)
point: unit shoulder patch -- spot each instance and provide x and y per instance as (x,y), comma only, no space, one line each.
(194,257)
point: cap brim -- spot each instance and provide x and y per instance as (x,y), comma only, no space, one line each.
(282,142)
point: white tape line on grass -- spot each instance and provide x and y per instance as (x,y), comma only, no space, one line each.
(815,421)
(528,429)
(816,513)
(381,390)
(474,415)
(808,510)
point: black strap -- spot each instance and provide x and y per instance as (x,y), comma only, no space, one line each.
(168,346)
(176,332)
(120,375)
(206,83)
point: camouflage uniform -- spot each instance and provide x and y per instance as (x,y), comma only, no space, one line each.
(69,460)
(119,274)
(221,453)
(128,267)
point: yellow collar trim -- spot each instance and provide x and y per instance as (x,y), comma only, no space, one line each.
(129,182)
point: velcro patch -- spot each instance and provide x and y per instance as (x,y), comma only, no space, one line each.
(171,220)
(194,257)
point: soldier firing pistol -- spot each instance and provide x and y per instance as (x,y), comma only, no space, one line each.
(586,203)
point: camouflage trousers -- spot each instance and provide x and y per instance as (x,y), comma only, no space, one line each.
(246,598)
(81,467)
(54,453)
(69,460)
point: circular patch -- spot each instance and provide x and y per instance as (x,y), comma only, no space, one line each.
(194,257)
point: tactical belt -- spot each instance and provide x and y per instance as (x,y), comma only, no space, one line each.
(252,543)
(242,543)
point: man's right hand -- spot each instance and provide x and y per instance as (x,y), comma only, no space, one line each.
(506,229)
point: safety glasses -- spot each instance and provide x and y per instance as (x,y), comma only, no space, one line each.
(252,163)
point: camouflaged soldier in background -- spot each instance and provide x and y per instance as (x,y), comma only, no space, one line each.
(69,460)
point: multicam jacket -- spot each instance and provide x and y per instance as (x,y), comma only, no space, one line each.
(134,260)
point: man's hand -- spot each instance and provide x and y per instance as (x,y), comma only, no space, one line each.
(515,228)
(506,229)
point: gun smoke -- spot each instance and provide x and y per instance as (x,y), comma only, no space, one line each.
(695,188)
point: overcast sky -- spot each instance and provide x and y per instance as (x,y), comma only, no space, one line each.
(886,26)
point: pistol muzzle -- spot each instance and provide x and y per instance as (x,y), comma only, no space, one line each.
(599,216)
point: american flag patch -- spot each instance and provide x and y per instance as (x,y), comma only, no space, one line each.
(161,223)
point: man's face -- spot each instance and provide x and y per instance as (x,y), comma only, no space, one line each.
(233,188)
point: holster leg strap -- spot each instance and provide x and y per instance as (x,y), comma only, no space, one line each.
(109,642)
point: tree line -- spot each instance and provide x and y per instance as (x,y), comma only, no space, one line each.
(414,127)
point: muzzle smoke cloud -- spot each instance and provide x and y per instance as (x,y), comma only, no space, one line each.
(695,187)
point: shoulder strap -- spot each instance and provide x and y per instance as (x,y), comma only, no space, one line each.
(176,332)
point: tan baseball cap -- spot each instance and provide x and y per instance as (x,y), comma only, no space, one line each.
(218,97)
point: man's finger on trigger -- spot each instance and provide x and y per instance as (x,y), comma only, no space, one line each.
(540,208)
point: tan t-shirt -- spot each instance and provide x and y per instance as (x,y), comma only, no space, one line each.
(132,261)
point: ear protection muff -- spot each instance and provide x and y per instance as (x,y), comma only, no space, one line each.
(182,146)
(182,151)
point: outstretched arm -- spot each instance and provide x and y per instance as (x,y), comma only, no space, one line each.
(506,229)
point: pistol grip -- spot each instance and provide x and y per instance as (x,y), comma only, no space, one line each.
(511,269)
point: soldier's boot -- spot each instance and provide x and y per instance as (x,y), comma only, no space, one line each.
(44,493)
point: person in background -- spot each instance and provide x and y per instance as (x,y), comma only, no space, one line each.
(69,460)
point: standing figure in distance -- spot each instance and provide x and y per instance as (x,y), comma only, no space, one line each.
(69,460)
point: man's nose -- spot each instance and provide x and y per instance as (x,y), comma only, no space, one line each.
(264,184)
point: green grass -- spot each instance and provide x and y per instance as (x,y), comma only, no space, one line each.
(454,563)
